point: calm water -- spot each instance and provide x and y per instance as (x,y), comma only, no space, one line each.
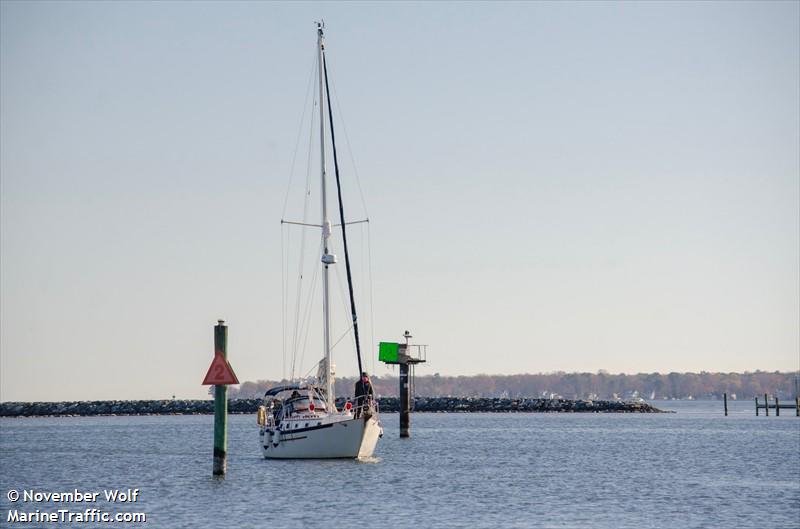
(694,468)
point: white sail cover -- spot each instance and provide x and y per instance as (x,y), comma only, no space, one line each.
(323,372)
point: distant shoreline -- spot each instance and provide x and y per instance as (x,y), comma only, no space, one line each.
(387,404)
(654,387)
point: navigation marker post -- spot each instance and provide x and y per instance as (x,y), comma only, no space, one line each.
(219,375)
(404,355)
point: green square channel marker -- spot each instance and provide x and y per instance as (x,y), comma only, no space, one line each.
(388,352)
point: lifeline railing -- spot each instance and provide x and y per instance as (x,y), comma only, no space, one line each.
(266,417)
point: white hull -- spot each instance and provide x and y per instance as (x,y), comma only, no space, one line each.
(347,437)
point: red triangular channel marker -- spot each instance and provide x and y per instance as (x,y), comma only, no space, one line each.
(220,372)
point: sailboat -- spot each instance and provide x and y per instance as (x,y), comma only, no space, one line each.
(300,420)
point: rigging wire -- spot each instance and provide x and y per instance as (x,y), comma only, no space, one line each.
(285,241)
(361,275)
(349,150)
(342,336)
(364,293)
(301,268)
(303,238)
(343,296)
(311,77)
(371,282)
(366,213)
(371,301)
(341,216)
(283,311)
(306,323)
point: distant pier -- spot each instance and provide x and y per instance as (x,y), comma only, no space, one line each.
(775,405)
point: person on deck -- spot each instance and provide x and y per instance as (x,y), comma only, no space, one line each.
(364,392)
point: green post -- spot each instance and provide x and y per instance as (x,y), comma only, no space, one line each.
(221,406)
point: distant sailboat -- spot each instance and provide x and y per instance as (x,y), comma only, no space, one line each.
(301,420)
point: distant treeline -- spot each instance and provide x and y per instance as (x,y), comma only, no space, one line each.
(600,385)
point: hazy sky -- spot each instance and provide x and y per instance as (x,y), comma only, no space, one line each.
(552,186)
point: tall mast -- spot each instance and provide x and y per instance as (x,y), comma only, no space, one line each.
(327,258)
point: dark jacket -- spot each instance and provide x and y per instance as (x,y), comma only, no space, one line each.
(364,389)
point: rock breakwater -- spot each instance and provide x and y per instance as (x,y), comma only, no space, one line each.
(387,404)
(485,404)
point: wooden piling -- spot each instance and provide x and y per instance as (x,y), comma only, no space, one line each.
(756,397)
(725,400)
(221,406)
(797,406)
(766,405)
(777,407)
